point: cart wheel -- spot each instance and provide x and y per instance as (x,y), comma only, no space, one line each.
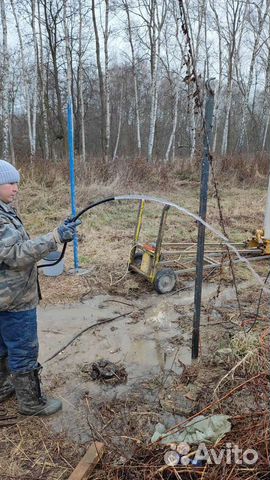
(137,260)
(165,281)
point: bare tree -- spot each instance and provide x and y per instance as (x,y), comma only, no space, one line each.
(68,51)
(217,109)
(5,82)
(80,82)
(42,80)
(35,78)
(52,18)
(134,88)
(135,81)
(266,101)
(172,63)
(171,142)
(257,29)
(235,13)
(153,13)
(103,75)
(107,84)
(120,115)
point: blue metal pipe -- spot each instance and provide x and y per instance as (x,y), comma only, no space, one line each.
(72,178)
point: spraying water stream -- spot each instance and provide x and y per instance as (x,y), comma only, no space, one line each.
(209,227)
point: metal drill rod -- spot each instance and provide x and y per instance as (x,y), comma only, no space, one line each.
(209,108)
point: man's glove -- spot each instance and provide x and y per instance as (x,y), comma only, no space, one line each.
(66,231)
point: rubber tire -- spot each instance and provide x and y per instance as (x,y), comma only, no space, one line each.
(137,261)
(165,281)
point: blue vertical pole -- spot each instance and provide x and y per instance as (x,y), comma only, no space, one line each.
(72,177)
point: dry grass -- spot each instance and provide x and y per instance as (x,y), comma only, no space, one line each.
(105,236)
(30,451)
(148,463)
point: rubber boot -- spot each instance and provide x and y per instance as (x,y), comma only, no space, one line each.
(29,396)
(6,387)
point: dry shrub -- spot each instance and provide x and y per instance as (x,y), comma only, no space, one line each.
(243,167)
(124,172)
(131,172)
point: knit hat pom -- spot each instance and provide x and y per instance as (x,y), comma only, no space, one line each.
(8,173)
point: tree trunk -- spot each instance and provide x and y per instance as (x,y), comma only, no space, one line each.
(217,109)
(25,81)
(5,83)
(153,111)
(43,87)
(243,128)
(135,81)
(68,52)
(80,86)
(100,77)
(107,85)
(12,152)
(34,113)
(265,131)
(174,125)
(266,102)
(52,33)
(120,109)
(235,25)
(225,138)
(156,23)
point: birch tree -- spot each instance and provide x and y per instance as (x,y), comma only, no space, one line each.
(52,19)
(171,142)
(31,124)
(35,77)
(103,75)
(120,115)
(235,12)
(80,82)
(153,14)
(257,29)
(134,73)
(5,83)
(107,84)
(42,80)
(172,63)
(217,109)
(266,101)
(68,52)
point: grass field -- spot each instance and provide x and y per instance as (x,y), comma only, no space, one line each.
(106,233)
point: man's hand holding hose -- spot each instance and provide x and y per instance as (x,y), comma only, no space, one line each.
(66,231)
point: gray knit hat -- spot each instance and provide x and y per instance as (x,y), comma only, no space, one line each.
(8,173)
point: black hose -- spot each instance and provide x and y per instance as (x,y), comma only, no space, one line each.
(92,205)
(73,219)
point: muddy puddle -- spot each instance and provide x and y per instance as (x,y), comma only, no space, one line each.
(149,343)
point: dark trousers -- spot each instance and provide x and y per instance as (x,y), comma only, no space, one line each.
(18,340)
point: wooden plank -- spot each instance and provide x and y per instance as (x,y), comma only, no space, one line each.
(88,462)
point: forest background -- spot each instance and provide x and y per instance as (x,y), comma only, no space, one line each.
(127,66)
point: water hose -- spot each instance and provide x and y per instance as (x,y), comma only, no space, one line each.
(92,205)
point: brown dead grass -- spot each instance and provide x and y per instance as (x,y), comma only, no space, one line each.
(105,236)
(30,451)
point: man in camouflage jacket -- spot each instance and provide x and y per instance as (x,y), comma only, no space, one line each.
(19,296)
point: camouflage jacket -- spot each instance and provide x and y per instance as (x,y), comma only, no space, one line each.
(19,288)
